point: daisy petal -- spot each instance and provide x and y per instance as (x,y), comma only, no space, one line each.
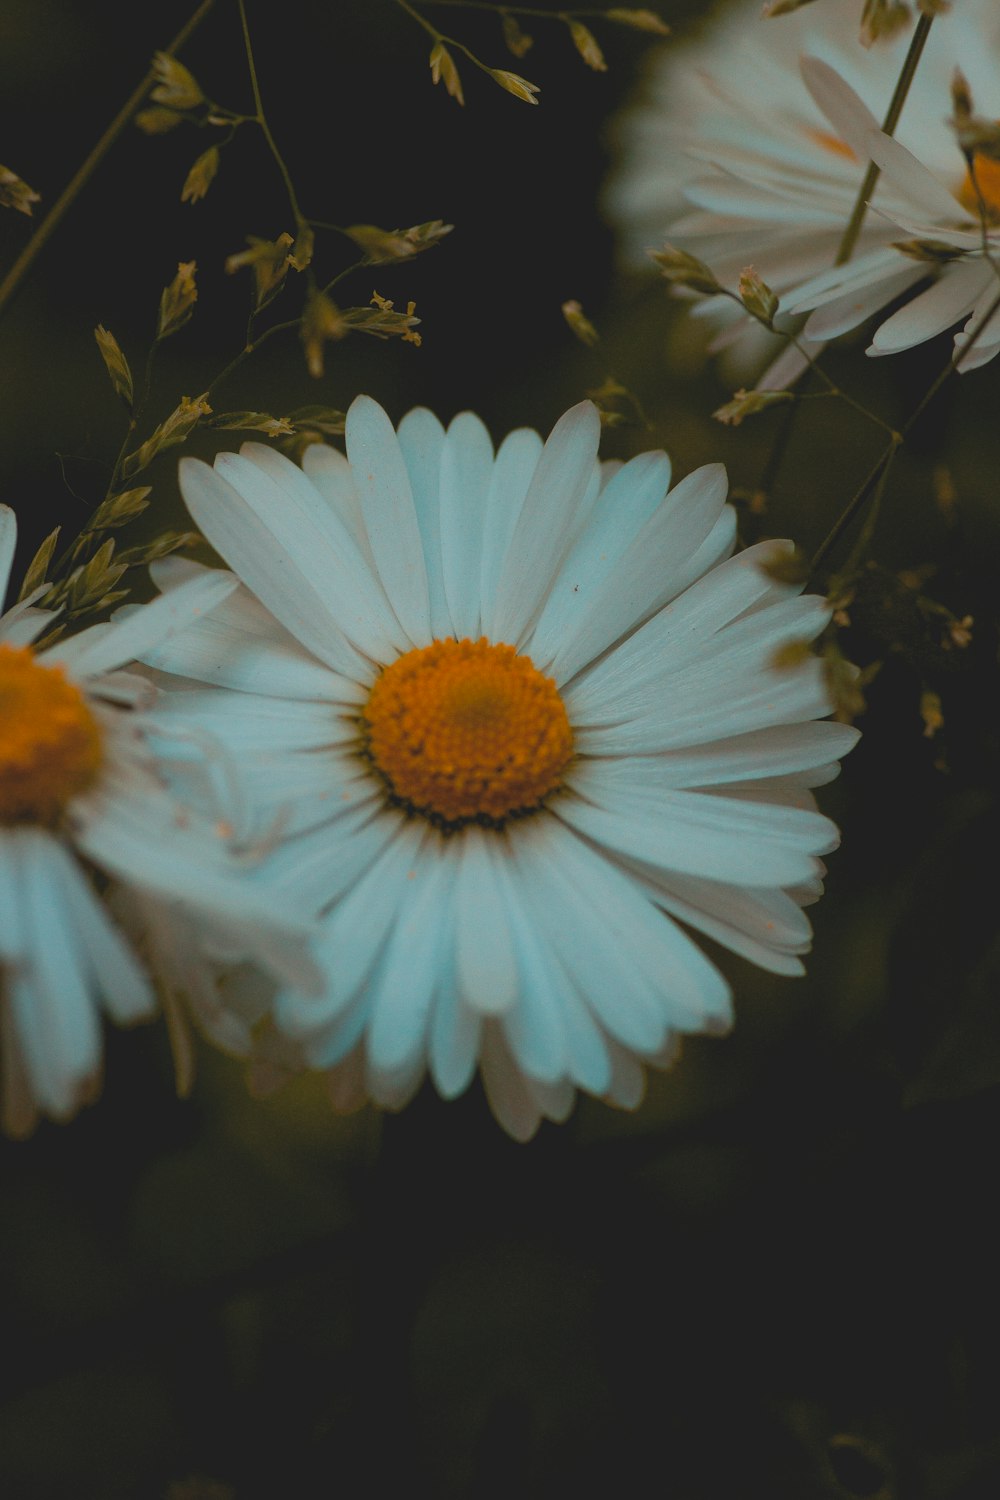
(331,473)
(708,836)
(466,470)
(8,541)
(513,470)
(421,441)
(541,535)
(383,487)
(639,583)
(850,117)
(102,648)
(939,307)
(910,177)
(485,962)
(625,506)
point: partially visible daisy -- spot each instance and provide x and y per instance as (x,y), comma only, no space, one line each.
(956,257)
(79,788)
(522,717)
(751,146)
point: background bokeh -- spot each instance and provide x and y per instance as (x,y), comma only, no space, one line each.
(778,1277)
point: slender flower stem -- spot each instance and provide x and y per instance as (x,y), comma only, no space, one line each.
(852,229)
(252,344)
(906,76)
(453,41)
(82,176)
(261,118)
(421,20)
(871,484)
(831,386)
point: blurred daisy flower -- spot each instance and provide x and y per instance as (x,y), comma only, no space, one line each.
(521,715)
(751,145)
(79,789)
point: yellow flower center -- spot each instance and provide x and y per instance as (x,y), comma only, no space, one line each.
(465,731)
(50,744)
(988,178)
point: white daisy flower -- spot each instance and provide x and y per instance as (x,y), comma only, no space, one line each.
(751,147)
(79,788)
(522,716)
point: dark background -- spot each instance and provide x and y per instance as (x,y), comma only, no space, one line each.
(777,1278)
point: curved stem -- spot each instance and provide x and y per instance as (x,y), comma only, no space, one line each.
(261,118)
(871,483)
(80,179)
(432,31)
(899,93)
(852,229)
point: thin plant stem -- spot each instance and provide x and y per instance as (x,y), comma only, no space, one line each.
(852,229)
(899,93)
(261,118)
(869,484)
(82,176)
(421,20)
(253,344)
(453,41)
(831,386)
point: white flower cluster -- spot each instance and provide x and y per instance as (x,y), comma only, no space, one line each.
(441,777)
(753,141)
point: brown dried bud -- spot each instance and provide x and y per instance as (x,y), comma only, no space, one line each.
(757,297)
(181,421)
(681,269)
(881,20)
(269,259)
(39,565)
(640,20)
(301,254)
(961,95)
(973,133)
(585,43)
(443,70)
(115,363)
(845,683)
(936,252)
(382,321)
(518,42)
(786,565)
(791,654)
(383,245)
(15,192)
(747,404)
(201,176)
(515,84)
(580,324)
(157,121)
(177,87)
(321,320)
(118,510)
(252,421)
(930,712)
(177,300)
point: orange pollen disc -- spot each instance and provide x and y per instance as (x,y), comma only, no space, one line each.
(465,731)
(50,743)
(832,143)
(988,178)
